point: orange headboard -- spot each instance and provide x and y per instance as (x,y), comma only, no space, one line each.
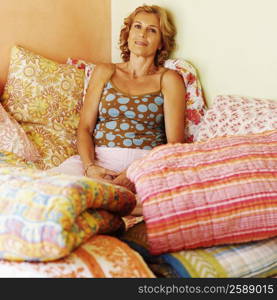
(56,29)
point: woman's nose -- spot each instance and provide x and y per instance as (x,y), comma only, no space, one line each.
(142,32)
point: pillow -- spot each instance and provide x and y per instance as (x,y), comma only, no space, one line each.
(253,259)
(194,98)
(83,65)
(14,139)
(45,215)
(233,115)
(45,97)
(220,191)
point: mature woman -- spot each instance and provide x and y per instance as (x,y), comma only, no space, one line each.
(133,106)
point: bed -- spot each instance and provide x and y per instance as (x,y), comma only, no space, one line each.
(57,225)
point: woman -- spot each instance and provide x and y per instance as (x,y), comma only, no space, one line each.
(133,106)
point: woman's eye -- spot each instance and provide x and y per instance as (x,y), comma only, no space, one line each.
(153,30)
(137,26)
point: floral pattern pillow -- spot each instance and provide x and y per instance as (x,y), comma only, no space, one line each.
(237,115)
(83,65)
(14,139)
(45,97)
(196,104)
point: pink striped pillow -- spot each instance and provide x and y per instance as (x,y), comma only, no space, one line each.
(219,191)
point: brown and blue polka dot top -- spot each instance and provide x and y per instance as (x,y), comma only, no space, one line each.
(128,121)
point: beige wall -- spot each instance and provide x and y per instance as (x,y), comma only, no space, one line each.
(232,43)
(56,29)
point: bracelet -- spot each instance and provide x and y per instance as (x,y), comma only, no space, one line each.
(87,167)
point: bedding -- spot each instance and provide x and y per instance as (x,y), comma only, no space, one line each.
(54,225)
(252,259)
(220,191)
(101,256)
(83,65)
(45,215)
(45,98)
(235,115)
(14,139)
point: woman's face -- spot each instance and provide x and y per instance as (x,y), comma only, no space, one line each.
(145,35)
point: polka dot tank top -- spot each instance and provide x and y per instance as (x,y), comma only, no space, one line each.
(128,121)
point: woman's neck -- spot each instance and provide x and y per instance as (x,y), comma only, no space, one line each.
(141,66)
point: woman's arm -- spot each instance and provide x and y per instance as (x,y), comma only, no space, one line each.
(174,91)
(88,118)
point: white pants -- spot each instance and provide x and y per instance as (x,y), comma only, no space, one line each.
(115,159)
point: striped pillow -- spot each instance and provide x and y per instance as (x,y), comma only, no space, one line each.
(219,191)
(253,259)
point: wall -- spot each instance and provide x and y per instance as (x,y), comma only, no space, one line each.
(56,29)
(233,44)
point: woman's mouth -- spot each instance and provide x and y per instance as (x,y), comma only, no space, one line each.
(141,43)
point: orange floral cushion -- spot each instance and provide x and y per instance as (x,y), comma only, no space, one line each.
(101,256)
(45,97)
(14,139)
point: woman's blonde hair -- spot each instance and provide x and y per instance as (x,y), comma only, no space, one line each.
(167,28)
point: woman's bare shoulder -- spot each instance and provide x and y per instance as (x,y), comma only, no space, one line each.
(172,77)
(103,71)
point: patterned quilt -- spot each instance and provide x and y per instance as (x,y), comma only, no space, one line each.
(45,215)
(102,256)
(254,259)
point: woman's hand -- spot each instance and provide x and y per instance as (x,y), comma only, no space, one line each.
(122,180)
(137,211)
(101,173)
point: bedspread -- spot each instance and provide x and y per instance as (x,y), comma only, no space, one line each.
(253,259)
(102,256)
(221,191)
(45,215)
